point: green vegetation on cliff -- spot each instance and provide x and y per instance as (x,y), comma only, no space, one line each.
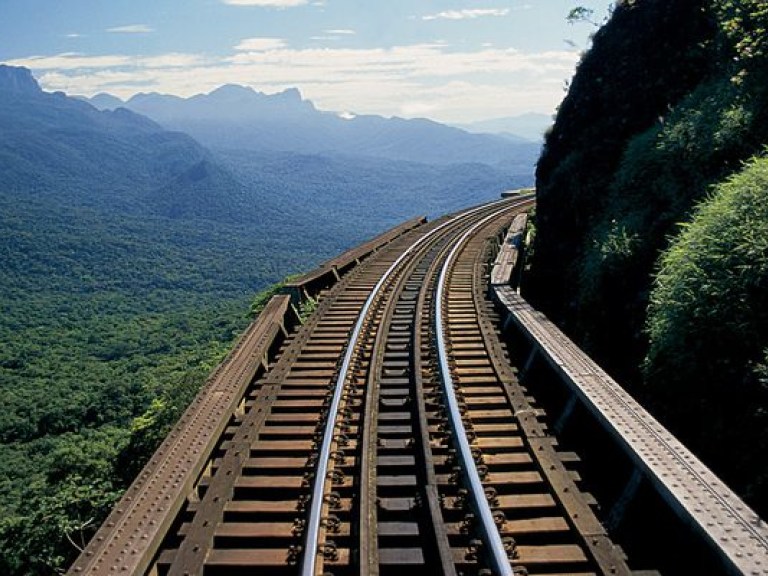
(670,101)
(708,323)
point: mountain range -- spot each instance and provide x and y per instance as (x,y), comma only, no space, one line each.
(69,153)
(234,116)
(530,126)
(287,167)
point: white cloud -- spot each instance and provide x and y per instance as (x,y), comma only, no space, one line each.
(434,79)
(73,35)
(132,29)
(267,3)
(70,61)
(171,60)
(342,32)
(77,61)
(467,14)
(260,44)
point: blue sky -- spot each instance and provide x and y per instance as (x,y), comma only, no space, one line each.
(453,61)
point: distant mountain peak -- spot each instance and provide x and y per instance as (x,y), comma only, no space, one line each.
(289,95)
(233,90)
(104,101)
(238,92)
(18,80)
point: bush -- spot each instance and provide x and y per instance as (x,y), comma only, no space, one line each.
(708,327)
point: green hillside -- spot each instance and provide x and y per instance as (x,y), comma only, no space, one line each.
(651,245)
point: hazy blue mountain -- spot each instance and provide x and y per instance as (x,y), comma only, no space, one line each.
(230,102)
(236,117)
(66,150)
(529,126)
(104,101)
(15,80)
(97,199)
(349,191)
(59,151)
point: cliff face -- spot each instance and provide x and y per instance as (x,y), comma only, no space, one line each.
(641,64)
(670,101)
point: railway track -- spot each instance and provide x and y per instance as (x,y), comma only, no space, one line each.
(387,434)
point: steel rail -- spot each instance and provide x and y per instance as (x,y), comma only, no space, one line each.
(309,561)
(492,538)
(431,489)
(369,549)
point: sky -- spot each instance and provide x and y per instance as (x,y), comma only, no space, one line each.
(454,61)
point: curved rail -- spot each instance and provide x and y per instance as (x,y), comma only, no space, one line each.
(309,561)
(493,542)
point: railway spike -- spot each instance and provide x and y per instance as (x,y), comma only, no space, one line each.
(342,440)
(510,547)
(332,523)
(298,527)
(473,549)
(338,456)
(330,551)
(333,499)
(461,498)
(491,496)
(468,523)
(336,476)
(294,553)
